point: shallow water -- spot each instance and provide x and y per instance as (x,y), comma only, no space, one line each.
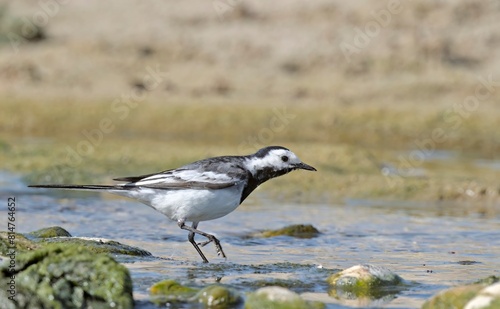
(431,245)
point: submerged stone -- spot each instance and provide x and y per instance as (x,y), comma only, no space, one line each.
(49,232)
(65,276)
(296,230)
(364,281)
(218,296)
(212,296)
(275,297)
(295,284)
(170,291)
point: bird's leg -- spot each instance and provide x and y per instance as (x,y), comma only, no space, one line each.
(192,231)
(191,240)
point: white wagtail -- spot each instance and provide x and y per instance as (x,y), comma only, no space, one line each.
(203,190)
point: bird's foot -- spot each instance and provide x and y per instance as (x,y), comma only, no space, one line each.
(218,247)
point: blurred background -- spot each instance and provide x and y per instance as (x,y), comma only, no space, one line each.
(388,99)
(396,103)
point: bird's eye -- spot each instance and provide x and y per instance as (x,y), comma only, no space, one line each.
(284,158)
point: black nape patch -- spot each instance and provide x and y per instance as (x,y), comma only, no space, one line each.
(264,151)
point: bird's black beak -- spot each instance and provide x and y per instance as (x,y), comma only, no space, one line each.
(304,166)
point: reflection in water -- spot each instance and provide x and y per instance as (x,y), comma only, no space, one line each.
(422,242)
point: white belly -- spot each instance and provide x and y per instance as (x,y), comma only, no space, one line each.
(192,205)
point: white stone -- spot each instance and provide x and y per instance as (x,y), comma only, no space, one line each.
(484,297)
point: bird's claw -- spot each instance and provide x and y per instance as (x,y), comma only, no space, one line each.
(218,248)
(219,251)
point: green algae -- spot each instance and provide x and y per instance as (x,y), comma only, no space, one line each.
(68,276)
(218,296)
(211,296)
(296,230)
(456,297)
(365,281)
(171,291)
(58,235)
(21,243)
(99,246)
(50,232)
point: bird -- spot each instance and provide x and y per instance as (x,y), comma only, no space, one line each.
(204,190)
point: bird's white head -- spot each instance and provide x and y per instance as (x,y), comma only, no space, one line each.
(274,161)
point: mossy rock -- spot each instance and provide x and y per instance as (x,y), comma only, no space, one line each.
(294,284)
(365,281)
(66,276)
(212,296)
(21,243)
(99,246)
(59,235)
(275,297)
(218,296)
(50,232)
(296,230)
(170,291)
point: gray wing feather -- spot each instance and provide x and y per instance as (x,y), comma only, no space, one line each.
(213,173)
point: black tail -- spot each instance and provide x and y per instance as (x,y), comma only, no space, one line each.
(80,187)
